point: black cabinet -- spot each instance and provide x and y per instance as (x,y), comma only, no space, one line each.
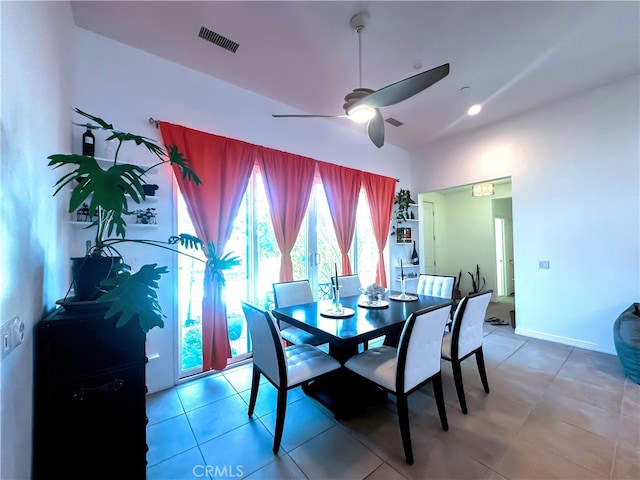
(89,397)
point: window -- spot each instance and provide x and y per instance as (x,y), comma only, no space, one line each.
(314,256)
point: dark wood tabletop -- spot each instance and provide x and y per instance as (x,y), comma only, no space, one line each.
(345,334)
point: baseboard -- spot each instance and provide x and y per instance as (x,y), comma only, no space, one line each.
(566,341)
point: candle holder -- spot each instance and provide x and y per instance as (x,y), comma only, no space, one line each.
(403,294)
(336,297)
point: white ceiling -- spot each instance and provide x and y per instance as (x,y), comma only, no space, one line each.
(514,56)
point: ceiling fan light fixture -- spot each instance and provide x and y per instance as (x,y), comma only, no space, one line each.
(474,109)
(361,113)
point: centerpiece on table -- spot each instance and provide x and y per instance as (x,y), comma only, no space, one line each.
(373,294)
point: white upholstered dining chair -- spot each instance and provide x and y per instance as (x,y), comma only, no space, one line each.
(415,362)
(285,368)
(437,286)
(286,294)
(465,339)
(349,285)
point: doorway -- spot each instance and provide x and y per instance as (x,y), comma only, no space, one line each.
(503,235)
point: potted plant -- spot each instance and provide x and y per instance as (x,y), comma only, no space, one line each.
(401,203)
(102,276)
(475,280)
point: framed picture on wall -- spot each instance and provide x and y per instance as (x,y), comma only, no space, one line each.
(403,235)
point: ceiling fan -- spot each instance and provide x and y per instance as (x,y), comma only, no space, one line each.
(363,104)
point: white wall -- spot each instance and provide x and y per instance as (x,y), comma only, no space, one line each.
(575,184)
(36,46)
(146,86)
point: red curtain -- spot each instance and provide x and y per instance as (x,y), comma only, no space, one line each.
(342,187)
(288,180)
(224,165)
(380,194)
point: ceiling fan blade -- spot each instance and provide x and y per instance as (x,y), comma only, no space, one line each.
(375,129)
(309,116)
(399,91)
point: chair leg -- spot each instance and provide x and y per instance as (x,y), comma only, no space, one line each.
(437,392)
(255,383)
(482,370)
(457,378)
(405,432)
(280,412)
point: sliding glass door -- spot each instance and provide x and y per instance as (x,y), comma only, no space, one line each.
(314,256)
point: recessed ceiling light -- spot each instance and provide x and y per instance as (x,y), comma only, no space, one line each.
(474,109)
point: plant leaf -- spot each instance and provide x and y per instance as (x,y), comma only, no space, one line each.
(177,158)
(187,241)
(108,189)
(218,264)
(151,144)
(135,295)
(103,125)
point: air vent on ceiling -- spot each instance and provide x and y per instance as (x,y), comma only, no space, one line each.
(218,39)
(394,122)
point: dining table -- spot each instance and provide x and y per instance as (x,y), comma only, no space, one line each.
(345,333)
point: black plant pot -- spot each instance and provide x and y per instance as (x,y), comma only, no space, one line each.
(88,272)
(149,189)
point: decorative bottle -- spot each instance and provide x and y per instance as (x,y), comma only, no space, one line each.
(414,255)
(88,143)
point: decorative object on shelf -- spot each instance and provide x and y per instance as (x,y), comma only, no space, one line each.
(82,214)
(475,280)
(108,193)
(150,189)
(412,216)
(415,260)
(401,213)
(146,217)
(88,142)
(482,189)
(403,235)
(110,149)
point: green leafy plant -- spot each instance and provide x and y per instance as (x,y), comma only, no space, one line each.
(475,280)
(106,194)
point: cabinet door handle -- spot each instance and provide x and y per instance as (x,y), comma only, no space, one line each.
(113,386)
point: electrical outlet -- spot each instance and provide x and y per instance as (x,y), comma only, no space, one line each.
(543,264)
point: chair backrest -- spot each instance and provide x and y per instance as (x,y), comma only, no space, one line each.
(349,285)
(266,343)
(420,346)
(436,285)
(468,320)
(296,292)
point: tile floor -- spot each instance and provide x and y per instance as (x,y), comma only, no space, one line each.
(554,412)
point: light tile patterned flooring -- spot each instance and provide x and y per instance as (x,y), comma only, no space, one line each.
(554,412)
